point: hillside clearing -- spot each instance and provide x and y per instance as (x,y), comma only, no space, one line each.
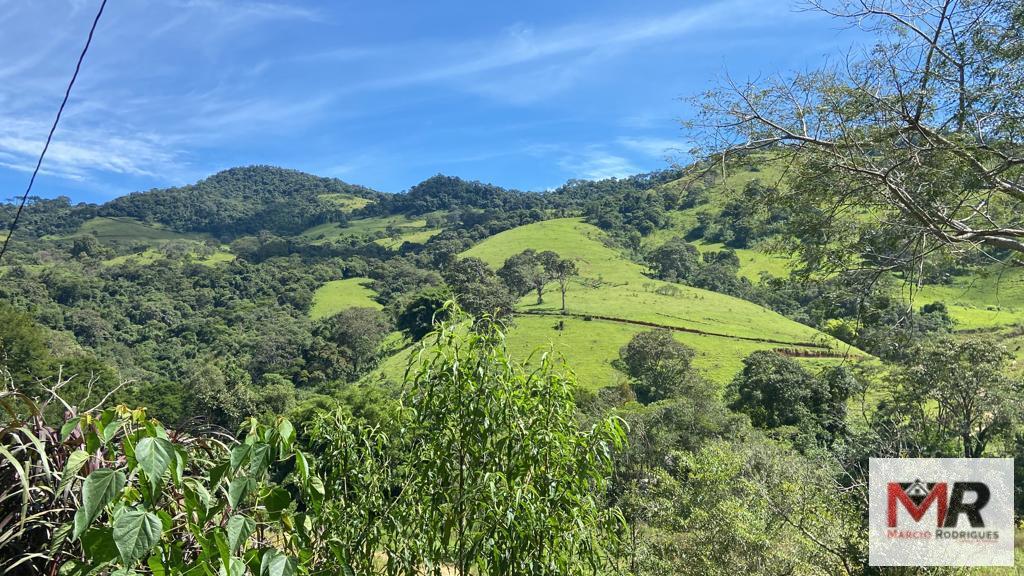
(337,295)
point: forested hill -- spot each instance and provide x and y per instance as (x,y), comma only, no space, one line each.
(242,201)
(442,192)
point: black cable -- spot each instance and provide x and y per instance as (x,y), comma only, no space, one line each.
(67,94)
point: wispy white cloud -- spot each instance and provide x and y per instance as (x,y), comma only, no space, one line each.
(241,10)
(596,163)
(76,155)
(652,146)
(570,45)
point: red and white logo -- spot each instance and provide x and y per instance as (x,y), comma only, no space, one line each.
(941,512)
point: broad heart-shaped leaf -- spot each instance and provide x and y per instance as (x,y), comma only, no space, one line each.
(239,454)
(98,545)
(277,499)
(259,459)
(287,432)
(276,564)
(155,456)
(238,489)
(239,528)
(99,489)
(135,533)
(234,567)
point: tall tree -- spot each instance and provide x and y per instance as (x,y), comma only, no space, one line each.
(921,136)
(562,270)
(961,387)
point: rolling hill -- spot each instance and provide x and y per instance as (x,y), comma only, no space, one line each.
(613,299)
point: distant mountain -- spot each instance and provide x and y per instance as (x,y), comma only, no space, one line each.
(241,201)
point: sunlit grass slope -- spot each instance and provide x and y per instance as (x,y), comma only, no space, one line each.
(333,297)
(129,230)
(346,202)
(610,285)
(409,229)
(987,298)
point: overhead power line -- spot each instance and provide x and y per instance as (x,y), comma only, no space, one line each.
(53,128)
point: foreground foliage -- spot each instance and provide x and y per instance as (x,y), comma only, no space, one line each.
(481,468)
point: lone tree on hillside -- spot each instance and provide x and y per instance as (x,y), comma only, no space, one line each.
(532,271)
(921,136)
(561,270)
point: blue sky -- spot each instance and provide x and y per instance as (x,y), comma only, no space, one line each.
(522,94)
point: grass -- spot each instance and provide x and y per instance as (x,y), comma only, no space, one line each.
(148,256)
(990,297)
(613,286)
(129,230)
(221,256)
(590,347)
(408,227)
(151,255)
(418,237)
(753,262)
(346,202)
(337,295)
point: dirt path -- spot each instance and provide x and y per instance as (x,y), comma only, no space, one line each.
(815,345)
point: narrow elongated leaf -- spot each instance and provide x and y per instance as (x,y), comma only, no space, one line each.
(135,533)
(99,489)
(239,529)
(155,456)
(26,490)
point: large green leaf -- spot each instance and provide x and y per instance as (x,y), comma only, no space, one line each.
(259,459)
(98,545)
(76,460)
(276,564)
(287,432)
(239,529)
(99,489)
(135,533)
(238,489)
(68,428)
(239,455)
(155,456)
(277,499)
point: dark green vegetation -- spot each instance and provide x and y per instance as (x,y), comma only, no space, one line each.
(483,489)
(744,334)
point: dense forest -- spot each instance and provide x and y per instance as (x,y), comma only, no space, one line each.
(680,372)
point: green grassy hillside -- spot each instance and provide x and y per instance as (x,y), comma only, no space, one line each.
(721,328)
(346,202)
(990,297)
(333,297)
(409,229)
(129,230)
